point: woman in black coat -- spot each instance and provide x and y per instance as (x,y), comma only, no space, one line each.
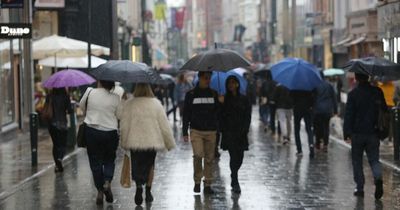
(235,123)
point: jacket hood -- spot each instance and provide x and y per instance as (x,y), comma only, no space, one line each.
(236,79)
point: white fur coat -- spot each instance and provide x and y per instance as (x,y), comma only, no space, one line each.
(144,125)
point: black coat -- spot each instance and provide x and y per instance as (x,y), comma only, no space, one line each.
(235,123)
(61,106)
(362,108)
(282,98)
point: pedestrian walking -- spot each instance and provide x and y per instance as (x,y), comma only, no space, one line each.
(284,105)
(325,107)
(201,117)
(145,130)
(57,125)
(302,109)
(267,105)
(101,135)
(364,105)
(180,90)
(235,124)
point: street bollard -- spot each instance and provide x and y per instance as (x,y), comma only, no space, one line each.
(34,125)
(72,129)
(396,132)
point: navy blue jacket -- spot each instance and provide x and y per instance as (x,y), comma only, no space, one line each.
(325,100)
(201,110)
(362,108)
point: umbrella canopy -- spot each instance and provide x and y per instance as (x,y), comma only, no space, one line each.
(296,74)
(68,78)
(169,69)
(215,60)
(380,68)
(126,71)
(240,71)
(167,79)
(64,47)
(333,72)
(73,62)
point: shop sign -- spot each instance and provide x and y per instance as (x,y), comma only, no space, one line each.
(15,30)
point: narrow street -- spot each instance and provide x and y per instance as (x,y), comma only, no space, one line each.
(272,177)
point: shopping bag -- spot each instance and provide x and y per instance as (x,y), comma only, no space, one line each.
(126,172)
(336,128)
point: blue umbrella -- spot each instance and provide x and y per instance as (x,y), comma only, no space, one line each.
(218,81)
(296,74)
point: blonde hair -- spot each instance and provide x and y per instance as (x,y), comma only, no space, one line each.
(143,90)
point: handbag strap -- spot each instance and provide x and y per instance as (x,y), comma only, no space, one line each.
(87,99)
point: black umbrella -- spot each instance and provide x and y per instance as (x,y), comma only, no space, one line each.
(126,71)
(380,68)
(262,69)
(167,79)
(216,60)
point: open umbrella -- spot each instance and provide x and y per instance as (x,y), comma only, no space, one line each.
(215,60)
(333,72)
(73,62)
(126,71)
(296,74)
(167,79)
(380,68)
(68,78)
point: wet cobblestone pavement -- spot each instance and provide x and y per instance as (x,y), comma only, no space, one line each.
(272,177)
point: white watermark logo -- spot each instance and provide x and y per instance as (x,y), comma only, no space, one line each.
(15,31)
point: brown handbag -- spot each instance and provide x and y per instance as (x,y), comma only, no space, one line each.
(126,172)
(47,112)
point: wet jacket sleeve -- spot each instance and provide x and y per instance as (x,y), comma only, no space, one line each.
(349,117)
(187,112)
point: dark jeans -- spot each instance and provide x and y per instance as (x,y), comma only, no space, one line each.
(370,144)
(307,116)
(142,162)
(101,149)
(272,114)
(59,138)
(235,163)
(321,128)
(264,114)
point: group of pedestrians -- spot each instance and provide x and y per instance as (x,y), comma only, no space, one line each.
(315,107)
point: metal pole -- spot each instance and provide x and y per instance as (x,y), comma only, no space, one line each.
(28,72)
(89,34)
(34,125)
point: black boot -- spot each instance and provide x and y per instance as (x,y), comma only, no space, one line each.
(99,198)
(149,196)
(138,195)
(378,189)
(107,192)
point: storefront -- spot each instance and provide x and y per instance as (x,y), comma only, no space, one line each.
(389,29)
(363,30)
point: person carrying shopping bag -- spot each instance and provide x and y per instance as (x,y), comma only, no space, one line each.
(145,130)
(101,135)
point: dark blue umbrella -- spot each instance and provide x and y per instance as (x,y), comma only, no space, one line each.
(218,81)
(296,74)
(380,68)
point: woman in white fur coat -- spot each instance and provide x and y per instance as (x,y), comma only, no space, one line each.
(145,130)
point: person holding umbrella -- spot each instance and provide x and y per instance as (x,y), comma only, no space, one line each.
(101,135)
(235,124)
(145,130)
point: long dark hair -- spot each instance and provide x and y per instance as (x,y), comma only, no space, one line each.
(108,85)
(59,91)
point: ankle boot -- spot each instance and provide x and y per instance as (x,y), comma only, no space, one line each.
(138,195)
(149,196)
(99,198)
(107,192)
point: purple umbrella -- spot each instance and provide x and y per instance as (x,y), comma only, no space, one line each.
(68,78)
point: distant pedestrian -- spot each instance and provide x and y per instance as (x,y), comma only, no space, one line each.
(145,130)
(302,109)
(284,110)
(201,117)
(267,105)
(171,95)
(361,128)
(61,106)
(180,90)
(102,136)
(235,124)
(325,107)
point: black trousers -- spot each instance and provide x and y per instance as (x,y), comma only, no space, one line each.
(59,138)
(236,160)
(321,128)
(101,149)
(142,162)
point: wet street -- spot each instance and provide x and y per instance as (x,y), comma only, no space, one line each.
(272,177)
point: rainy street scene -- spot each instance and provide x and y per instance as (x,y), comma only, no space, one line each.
(200,104)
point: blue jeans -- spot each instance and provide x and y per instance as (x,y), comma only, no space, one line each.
(307,116)
(370,144)
(101,149)
(264,114)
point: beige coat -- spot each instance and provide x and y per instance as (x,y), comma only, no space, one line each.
(144,125)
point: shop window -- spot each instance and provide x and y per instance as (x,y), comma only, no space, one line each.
(7,99)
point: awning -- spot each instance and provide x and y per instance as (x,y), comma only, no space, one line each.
(356,41)
(344,41)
